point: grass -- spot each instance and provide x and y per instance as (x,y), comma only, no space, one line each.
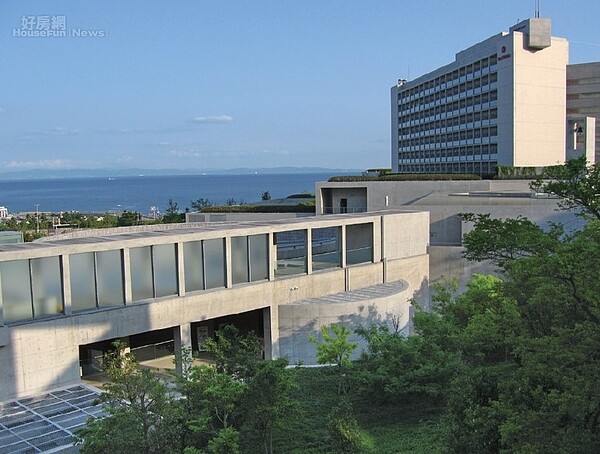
(399,427)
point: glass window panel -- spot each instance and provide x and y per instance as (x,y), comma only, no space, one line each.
(16,290)
(214,263)
(359,244)
(291,252)
(47,286)
(326,248)
(192,262)
(83,285)
(259,257)
(239,259)
(109,275)
(165,269)
(141,273)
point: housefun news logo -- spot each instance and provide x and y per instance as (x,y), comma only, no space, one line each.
(52,27)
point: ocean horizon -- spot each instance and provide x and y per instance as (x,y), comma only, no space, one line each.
(140,193)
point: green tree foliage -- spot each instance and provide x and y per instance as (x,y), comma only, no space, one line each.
(335,348)
(129,218)
(268,400)
(172,215)
(577,183)
(345,433)
(235,354)
(140,411)
(200,204)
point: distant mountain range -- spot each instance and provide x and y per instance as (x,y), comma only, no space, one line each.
(99,173)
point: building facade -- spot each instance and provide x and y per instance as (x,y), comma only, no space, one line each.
(583,100)
(501,102)
(64,300)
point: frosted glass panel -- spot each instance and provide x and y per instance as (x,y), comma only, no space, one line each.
(141,273)
(109,275)
(165,269)
(83,284)
(326,248)
(47,286)
(16,290)
(214,263)
(192,262)
(239,259)
(259,257)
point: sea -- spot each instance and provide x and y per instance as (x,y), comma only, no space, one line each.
(142,193)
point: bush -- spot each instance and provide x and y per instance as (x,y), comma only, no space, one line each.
(345,433)
(260,209)
(407,177)
(301,195)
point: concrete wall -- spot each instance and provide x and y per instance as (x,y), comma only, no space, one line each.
(297,322)
(37,355)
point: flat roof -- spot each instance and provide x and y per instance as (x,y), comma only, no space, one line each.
(46,422)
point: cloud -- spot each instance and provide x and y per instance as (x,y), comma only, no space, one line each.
(41,164)
(125,158)
(213,119)
(60,131)
(185,154)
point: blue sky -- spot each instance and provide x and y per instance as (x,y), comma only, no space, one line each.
(225,84)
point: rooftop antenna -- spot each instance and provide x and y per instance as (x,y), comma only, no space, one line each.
(537,9)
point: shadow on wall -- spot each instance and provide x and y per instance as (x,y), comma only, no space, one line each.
(395,312)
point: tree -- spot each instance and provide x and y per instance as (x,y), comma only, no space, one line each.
(215,397)
(200,203)
(128,218)
(140,411)
(235,354)
(576,182)
(268,399)
(335,348)
(172,214)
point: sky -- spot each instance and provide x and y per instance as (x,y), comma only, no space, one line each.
(204,85)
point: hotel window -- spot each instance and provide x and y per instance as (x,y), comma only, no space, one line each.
(31,288)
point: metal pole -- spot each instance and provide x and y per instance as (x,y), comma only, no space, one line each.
(37,218)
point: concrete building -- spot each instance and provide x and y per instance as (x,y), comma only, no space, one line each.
(583,100)
(445,201)
(64,300)
(501,102)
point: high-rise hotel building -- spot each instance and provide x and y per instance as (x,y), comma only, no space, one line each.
(501,102)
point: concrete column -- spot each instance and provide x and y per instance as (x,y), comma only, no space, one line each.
(272,256)
(182,335)
(271,329)
(127,276)
(228,265)
(66,284)
(343,245)
(1,304)
(309,261)
(180,269)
